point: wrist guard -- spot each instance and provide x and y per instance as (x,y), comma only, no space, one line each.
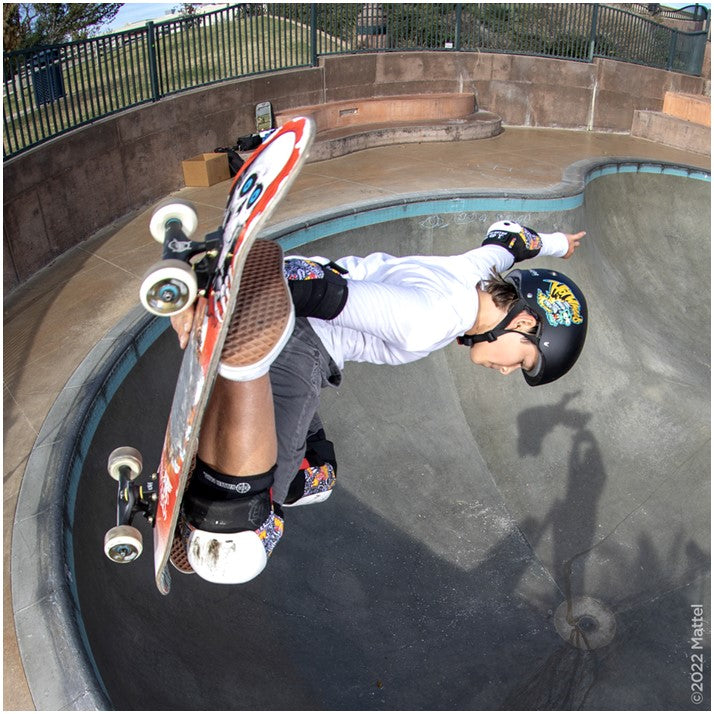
(521,242)
(220,503)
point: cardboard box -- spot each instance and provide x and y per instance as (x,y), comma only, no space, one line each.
(206,169)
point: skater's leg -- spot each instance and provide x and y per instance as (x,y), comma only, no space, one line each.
(297,377)
(238,431)
(231,522)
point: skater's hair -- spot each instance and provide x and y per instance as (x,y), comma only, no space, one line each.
(502,292)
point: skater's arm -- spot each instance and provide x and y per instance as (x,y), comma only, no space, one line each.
(516,243)
(408,318)
(573,242)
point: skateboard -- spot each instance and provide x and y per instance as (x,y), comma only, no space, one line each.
(208,273)
(263,117)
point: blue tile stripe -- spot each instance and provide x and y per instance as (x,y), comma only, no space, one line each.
(324,226)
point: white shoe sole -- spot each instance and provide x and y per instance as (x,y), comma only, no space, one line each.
(307,500)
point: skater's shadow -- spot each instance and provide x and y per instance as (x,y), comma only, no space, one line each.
(571,521)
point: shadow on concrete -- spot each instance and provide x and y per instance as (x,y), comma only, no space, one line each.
(355,611)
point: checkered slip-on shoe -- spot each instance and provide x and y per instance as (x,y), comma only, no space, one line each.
(264,316)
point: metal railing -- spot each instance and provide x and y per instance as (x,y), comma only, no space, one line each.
(50,90)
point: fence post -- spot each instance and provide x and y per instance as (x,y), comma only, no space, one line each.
(313,34)
(593,32)
(672,49)
(153,68)
(457,38)
(698,64)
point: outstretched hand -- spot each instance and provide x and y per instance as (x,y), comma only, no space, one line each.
(182,324)
(573,242)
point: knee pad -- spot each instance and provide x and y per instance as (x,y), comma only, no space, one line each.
(233,524)
(320,450)
(318,470)
(233,558)
(220,503)
(521,242)
(317,290)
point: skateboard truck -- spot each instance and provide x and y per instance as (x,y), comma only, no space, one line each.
(123,543)
(188,250)
(171,285)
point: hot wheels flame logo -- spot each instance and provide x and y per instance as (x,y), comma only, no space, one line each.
(165,490)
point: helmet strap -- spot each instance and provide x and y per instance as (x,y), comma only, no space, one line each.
(493,334)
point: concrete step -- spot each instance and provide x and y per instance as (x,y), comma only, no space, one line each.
(671,131)
(691,107)
(379,110)
(355,124)
(332,143)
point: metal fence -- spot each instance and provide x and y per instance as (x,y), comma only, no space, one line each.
(690,13)
(51,90)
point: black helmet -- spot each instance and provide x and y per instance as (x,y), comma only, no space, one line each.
(562,315)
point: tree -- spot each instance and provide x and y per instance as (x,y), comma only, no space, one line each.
(187,9)
(31,24)
(189,13)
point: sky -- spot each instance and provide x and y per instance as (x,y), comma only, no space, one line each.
(139,12)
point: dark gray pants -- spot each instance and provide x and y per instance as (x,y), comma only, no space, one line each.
(297,376)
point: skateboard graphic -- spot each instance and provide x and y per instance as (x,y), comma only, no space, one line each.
(208,273)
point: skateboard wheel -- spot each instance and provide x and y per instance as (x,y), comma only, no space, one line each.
(168,288)
(164,582)
(173,210)
(123,544)
(124,456)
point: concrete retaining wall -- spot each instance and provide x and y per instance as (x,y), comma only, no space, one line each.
(441,106)
(61,193)
(672,131)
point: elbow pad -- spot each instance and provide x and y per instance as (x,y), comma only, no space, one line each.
(521,242)
(317,290)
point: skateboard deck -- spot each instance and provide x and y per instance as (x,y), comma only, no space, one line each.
(257,189)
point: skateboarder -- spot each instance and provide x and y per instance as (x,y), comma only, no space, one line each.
(261,426)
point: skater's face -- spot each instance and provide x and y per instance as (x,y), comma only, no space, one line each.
(511,352)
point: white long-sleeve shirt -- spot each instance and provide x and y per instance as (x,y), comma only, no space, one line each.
(402,309)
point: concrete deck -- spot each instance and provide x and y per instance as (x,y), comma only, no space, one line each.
(53,321)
